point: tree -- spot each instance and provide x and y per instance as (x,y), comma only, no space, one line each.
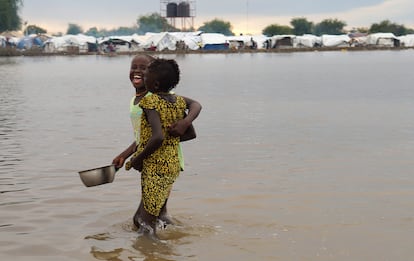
(125,30)
(275,29)
(217,26)
(9,18)
(301,26)
(153,23)
(388,27)
(34,29)
(329,26)
(74,29)
(93,31)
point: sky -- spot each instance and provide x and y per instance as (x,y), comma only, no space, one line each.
(245,16)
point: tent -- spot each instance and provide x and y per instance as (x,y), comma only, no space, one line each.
(282,41)
(30,41)
(3,41)
(191,40)
(406,40)
(214,41)
(307,40)
(358,39)
(119,43)
(243,41)
(382,39)
(342,40)
(160,41)
(70,43)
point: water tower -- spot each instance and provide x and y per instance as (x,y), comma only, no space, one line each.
(179,13)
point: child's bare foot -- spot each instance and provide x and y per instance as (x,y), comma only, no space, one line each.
(166,219)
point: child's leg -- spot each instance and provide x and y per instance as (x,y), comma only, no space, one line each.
(138,214)
(164,215)
(148,223)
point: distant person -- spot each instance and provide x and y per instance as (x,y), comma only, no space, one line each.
(111,47)
(152,47)
(136,75)
(268,43)
(157,154)
(253,44)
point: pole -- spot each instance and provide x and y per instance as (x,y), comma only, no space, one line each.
(247,16)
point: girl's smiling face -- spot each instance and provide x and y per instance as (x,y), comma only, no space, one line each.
(136,73)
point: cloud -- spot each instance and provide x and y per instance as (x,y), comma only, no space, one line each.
(397,11)
(246,16)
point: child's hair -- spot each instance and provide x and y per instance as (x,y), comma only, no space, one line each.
(167,71)
(149,57)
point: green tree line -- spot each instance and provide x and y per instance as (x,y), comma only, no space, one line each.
(154,22)
(300,26)
(9,15)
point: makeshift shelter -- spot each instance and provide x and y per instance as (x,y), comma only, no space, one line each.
(246,41)
(188,40)
(9,38)
(160,42)
(118,44)
(282,41)
(342,40)
(238,41)
(214,41)
(358,39)
(70,43)
(383,39)
(406,40)
(3,41)
(307,40)
(29,42)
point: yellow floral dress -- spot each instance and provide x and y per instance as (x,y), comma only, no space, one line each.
(161,168)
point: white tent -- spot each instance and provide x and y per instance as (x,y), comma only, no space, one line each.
(213,41)
(381,39)
(246,40)
(121,43)
(407,40)
(307,40)
(64,43)
(2,41)
(161,41)
(342,40)
(192,40)
(283,40)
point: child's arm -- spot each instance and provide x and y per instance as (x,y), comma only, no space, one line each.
(154,142)
(179,128)
(119,160)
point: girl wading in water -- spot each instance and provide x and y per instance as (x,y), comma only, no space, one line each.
(177,129)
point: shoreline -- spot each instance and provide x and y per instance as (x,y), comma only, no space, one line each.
(7,52)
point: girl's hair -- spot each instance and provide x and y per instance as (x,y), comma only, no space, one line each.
(167,73)
(149,57)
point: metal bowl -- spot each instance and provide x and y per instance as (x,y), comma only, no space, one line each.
(98,176)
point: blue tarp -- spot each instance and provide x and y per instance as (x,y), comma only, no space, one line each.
(28,42)
(224,46)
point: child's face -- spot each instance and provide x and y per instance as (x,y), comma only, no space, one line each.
(136,73)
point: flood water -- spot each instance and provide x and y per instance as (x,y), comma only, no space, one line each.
(299,156)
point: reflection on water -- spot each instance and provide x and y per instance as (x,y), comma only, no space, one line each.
(301,156)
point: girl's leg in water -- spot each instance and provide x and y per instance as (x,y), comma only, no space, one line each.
(145,222)
(164,215)
(148,224)
(138,214)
